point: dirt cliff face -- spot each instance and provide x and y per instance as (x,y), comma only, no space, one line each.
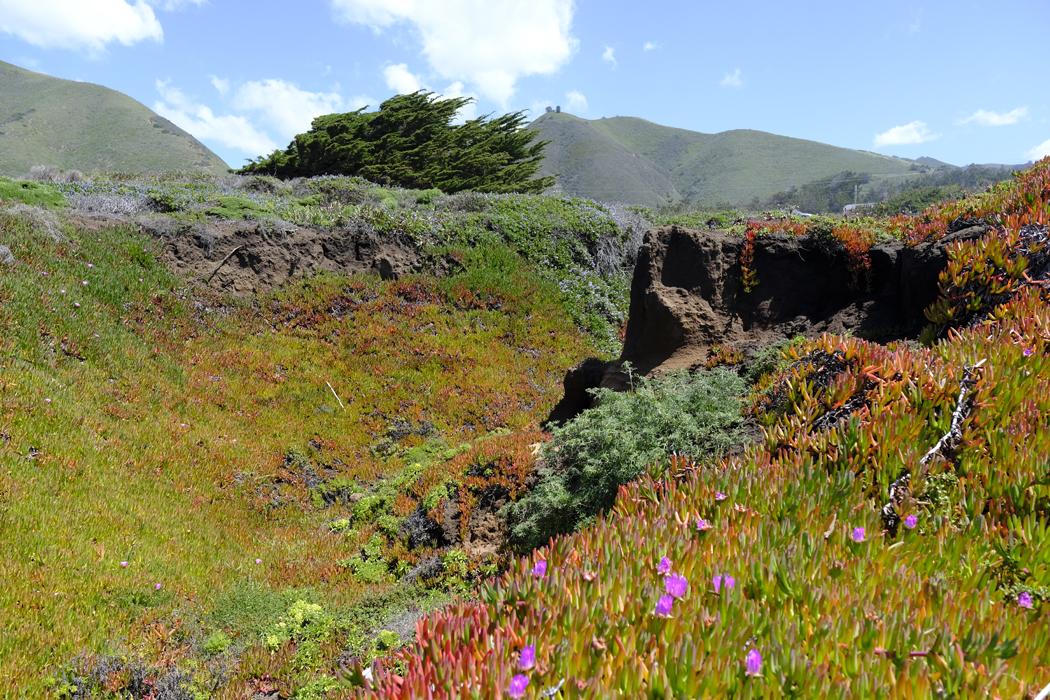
(687,294)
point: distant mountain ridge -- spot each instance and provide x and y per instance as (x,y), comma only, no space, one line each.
(51,121)
(632,160)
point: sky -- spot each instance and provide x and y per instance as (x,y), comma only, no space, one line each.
(962,81)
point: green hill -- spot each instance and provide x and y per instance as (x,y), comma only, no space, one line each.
(50,121)
(632,160)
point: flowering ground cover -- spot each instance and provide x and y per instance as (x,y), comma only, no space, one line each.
(225,499)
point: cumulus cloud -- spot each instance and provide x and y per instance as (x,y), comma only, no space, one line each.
(199,120)
(575,102)
(732,79)
(608,56)
(650,46)
(995,118)
(401,80)
(1040,151)
(488,44)
(284,105)
(175,4)
(221,84)
(915,132)
(79,24)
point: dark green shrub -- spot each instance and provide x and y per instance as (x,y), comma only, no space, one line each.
(592,455)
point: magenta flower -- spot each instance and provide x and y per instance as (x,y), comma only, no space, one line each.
(719,496)
(528,657)
(1028,352)
(910,522)
(754,663)
(258,561)
(858,534)
(663,606)
(540,570)
(664,567)
(1024,599)
(90,265)
(123,563)
(158,586)
(517,686)
(676,585)
(724,578)
(702,525)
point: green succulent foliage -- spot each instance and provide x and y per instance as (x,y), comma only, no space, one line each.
(411,142)
(34,193)
(592,455)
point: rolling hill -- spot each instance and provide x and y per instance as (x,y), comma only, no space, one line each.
(50,121)
(627,159)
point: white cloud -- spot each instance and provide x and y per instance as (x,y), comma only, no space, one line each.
(608,56)
(467,111)
(221,84)
(650,45)
(79,24)
(285,106)
(488,44)
(996,119)
(1040,151)
(732,79)
(170,5)
(400,79)
(915,132)
(576,102)
(199,120)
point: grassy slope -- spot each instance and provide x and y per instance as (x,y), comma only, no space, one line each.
(732,166)
(49,121)
(147,422)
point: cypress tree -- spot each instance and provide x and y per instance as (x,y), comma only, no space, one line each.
(411,142)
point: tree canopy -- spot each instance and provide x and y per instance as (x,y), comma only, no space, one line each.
(411,142)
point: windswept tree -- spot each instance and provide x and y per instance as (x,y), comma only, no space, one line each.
(411,142)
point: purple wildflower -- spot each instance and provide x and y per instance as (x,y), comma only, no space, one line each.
(517,686)
(123,563)
(158,586)
(719,496)
(664,567)
(910,522)
(1024,599)
(258,561)
(724,578)
(676,585)
(663,606)
(754,663)
(702,525)
(858,534)
(528,657)
(1028,352)
(540,570)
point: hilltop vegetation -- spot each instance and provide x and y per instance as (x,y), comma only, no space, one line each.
(72,125)
(226,498)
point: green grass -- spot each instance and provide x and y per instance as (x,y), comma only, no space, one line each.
(149,422)
(41,115)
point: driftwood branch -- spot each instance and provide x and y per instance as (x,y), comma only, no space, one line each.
(219,266)
(944,448)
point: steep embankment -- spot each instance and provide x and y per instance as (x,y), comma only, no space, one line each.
(73,125)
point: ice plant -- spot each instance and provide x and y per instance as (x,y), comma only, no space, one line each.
(540,570)
(724,578)
(910,522)
(123,563)
(754,663)
(1028,352)
(528,657)
(158,586)
(663,606)
(258,561)
(1024,599)
(858,534)
(676,585)
(517,686)
(664,566)
(702,525)
(719,496)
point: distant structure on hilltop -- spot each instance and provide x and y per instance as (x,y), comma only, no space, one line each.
(558,109)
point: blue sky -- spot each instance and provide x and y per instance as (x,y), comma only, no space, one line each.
(964,81)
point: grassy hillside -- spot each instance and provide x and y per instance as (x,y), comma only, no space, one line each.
(636,161)
(212,498)
(71,125)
